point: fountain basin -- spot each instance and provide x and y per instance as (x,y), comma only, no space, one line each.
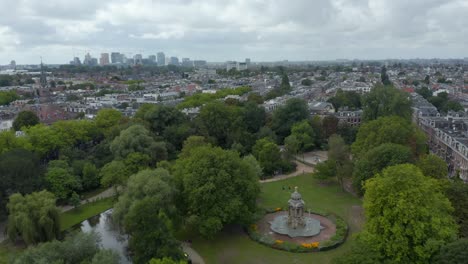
(280,225)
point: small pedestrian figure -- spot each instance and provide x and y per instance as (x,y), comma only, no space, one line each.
(283,188)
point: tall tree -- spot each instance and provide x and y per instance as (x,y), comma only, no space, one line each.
(145,210)
(376,160)
(339,154)
(457,193)
(33,217)
(452,253)
(25,119)
(390,129)
(138,139)
(218,188)
(433,166)
(386,101)
(305,134)
(215,120)
(295,110)
(408,216)
(268,155)
(60,179)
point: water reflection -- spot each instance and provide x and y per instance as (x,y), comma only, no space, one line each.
(111,237)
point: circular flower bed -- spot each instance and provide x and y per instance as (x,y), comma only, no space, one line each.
(333,235)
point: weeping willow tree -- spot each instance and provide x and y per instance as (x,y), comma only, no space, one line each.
(33,217)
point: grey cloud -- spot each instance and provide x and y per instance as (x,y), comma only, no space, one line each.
(222,30)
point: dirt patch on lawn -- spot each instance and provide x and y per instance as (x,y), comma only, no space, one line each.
(325,234)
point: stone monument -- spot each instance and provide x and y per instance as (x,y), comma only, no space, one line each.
(295,223)
(296,210)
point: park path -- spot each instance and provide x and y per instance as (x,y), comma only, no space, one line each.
(300,169)
(104,194)
(193,255)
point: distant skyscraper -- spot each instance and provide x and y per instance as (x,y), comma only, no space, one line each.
(104,60)
(247,61)
(152,58)
(87,59)
(13,64)
(138,59)
(186,62)
(161,59)
(75,61)
(199,63)
(174,61)
(116,57)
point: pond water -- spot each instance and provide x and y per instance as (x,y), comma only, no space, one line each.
(111,237)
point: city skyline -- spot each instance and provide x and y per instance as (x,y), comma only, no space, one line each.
(264,30)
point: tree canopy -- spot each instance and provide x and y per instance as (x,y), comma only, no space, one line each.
(391,129)
(25,119)
(34,217)
(408,216)
(386,101)
(295,110)
(217,188)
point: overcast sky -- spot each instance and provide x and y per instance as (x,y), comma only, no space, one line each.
(220,30)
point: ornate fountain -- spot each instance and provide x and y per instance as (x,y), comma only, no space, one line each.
(295,223)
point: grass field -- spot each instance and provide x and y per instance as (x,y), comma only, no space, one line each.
(234,246)
(78,215)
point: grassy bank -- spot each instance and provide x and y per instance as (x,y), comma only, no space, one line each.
(78,215)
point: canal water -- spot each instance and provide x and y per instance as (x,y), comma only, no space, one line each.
(111,237)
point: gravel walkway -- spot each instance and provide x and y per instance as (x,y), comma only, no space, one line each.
(193,255)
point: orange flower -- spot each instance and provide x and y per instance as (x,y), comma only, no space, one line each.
(315,244)
(278,209)
(279,241)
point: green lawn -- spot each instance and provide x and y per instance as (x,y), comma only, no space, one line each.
(78,215)
(234,246)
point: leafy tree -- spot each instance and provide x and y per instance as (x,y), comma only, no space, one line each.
(78,248)
(339,154)
(348,99)
(305,135)
(408,217)
(386,101)
(452,253)
(137,139)
(268,155)
(424,92)
(376,160)
(45,141)
(433,166)
(90,178)
(295,110)
(360,253)
(306,82)
(106,119)
(61,181)
(106,256)
(457,193)
(384,76)
(136,162)
(145,210)
(330,125)
(292,145)
(253,117)
(325,170)
(74,200)
(33,217)
(166,261)
(20,171)
(255,97)
(215,121)
(75,132)
(211,203)
(391,129)
(9,141)
(192,143)
(25,119)
(6,97)
(160,117)
(115,174)
(252,161)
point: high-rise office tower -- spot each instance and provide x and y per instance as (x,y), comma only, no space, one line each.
(138,59)
(152,58)
(116,57)
(161,59)
(104,60)
(174,61)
